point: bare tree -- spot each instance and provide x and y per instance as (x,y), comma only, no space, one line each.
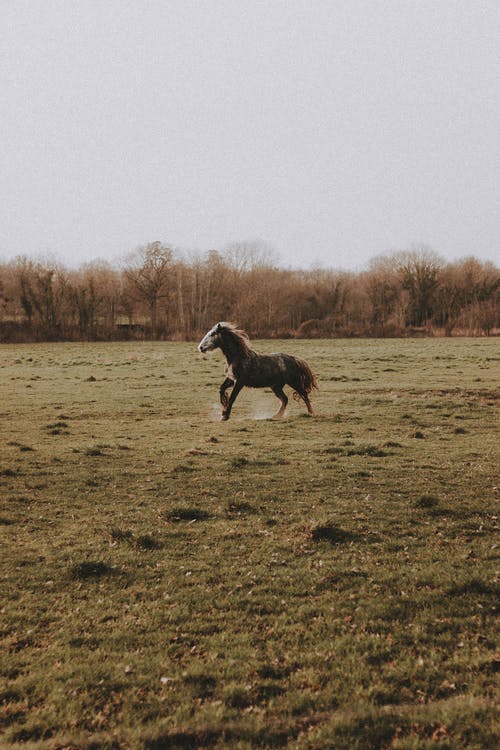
(467,295)
(109,284)
(148,273)
(242,257)
(419,270)
(43,294)
(86,299)
(383,287)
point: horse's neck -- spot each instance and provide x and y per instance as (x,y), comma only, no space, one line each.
(234,350)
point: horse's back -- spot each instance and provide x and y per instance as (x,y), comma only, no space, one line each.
(274,369)
(265,370)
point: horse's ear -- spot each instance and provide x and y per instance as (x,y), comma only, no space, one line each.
(219,328)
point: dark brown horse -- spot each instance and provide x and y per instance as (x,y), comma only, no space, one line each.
(247,368)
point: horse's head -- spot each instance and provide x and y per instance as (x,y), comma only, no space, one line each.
(211,340)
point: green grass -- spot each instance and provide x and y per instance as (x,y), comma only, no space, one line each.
(170,581)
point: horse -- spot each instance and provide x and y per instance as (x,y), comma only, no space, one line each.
(244,367)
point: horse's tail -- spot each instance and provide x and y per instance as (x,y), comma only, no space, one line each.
(304,380)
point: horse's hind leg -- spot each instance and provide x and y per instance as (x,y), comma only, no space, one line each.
(300,393)
(222,391)
(305,399)
(278,391)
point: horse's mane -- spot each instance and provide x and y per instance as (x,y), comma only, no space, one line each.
(240,338)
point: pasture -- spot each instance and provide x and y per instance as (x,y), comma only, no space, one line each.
(171,581)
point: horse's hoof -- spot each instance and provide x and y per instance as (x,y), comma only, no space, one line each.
(224,418)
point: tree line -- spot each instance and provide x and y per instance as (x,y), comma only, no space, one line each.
(157,293)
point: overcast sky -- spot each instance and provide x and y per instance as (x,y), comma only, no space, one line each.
(334,131)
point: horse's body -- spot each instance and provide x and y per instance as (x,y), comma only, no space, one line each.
(244,367)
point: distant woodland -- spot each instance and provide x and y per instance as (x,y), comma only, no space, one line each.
(158,294)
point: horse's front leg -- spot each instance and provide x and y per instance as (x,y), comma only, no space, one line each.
(232,398)
(222,391)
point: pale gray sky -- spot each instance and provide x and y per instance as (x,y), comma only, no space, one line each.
(333,130)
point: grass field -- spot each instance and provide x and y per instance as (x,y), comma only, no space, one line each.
(170,581)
